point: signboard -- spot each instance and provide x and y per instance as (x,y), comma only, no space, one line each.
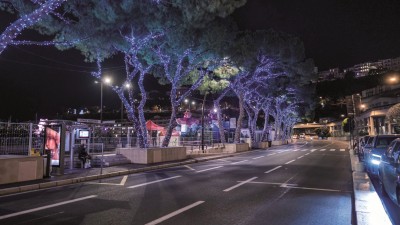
(88,121)
(52,143)
(83,134)
(232,122)
(109,122)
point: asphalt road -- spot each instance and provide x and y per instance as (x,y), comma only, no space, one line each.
(304,183)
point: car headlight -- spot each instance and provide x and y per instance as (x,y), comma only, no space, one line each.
(375,161)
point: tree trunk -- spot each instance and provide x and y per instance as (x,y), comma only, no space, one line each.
(142,119)
(171,125)
(220,123)
(265,132)
(15,29)
(240,118)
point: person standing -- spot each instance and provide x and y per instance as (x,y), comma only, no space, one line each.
(83,155)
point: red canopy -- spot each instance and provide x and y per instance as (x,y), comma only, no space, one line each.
(150,125)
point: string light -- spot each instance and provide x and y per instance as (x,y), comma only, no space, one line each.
(25,21)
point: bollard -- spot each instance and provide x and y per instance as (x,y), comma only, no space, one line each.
(48,162)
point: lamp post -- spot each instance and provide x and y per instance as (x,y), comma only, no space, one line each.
(105,80)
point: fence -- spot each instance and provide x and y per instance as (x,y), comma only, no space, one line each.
(19,138)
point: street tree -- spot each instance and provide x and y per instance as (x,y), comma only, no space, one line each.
(29,13)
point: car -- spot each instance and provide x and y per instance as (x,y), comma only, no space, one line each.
(367,146)
(295,136)
(361,143)
(374,151)
(302,136)
(389,172)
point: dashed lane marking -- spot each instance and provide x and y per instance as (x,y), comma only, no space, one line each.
(179,211)
(153,182)
(239,162)
(213,168)
(290,161)
(240,184)
(259,157)
(46,207)
(269,171)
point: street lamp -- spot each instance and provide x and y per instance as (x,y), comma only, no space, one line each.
(106,80)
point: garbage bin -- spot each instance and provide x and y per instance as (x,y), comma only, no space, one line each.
(269,144)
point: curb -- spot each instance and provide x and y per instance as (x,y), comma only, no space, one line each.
(51,184)
(368,206)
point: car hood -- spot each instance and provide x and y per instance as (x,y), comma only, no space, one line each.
(378,151)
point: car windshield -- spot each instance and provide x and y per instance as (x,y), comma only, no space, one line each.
(383,142)
(370,139)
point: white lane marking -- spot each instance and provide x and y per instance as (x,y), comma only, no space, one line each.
(307,154)
(290,161)
(332,150)
(313,150)
(300,157)
(239,162)
(342,150)
(296,150)
(122,183)
(223,160)
(304,150)
(269,171)
(307,188)
(212,168)
(285,185)
(240,184)
(259,157)
(46,207)
(153,182)
(190,168)
(322,150)
(272,154)
(179,211)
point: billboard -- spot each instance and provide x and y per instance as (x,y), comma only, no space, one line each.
(52,143)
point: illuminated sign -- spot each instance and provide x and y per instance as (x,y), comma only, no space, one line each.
(52,143)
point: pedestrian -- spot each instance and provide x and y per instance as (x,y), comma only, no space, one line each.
(83,155)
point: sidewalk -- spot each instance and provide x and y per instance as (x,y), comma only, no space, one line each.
(82,175)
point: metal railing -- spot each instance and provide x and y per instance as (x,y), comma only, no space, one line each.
(19,139)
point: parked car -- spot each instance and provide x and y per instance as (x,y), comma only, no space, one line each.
(295,136)
(361,143)
(302,136)
(374,151)
(389,172)
(367,146)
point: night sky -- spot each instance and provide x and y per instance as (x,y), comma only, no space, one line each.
(341,33)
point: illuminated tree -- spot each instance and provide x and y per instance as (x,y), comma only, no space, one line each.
(26,20)
(178,68)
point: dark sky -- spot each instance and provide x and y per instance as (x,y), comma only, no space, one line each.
(335,33)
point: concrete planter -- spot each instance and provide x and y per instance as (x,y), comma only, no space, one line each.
(20,168)
(153,155)
(262,145)
(232,148)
